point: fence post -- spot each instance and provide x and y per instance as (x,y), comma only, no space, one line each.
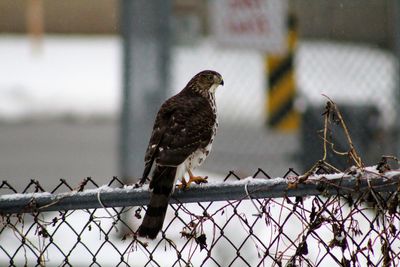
(146,38)
(282,114)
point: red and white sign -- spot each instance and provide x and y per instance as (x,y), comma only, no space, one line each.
(259,24)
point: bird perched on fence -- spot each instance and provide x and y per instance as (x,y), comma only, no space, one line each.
(182,137)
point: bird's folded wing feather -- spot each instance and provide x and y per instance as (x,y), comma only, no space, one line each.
(182,126)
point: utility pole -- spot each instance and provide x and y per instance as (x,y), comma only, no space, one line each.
(146,34)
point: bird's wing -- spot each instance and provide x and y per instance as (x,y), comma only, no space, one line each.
(190,128)
(160,127)
(182,125)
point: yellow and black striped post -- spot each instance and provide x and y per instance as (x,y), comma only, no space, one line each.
(282,86)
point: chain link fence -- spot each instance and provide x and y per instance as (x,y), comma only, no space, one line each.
(325,220)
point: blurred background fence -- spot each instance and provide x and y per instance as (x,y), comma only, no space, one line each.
(347,221)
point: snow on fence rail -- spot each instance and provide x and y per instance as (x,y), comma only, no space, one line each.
(251,187)
(345,219)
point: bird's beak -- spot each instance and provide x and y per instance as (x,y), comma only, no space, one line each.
(218,80)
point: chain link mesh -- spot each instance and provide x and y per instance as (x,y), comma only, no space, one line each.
(358,230)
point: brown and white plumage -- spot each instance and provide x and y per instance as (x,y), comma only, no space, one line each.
(182,137)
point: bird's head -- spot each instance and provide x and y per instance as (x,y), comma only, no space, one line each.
(206,82)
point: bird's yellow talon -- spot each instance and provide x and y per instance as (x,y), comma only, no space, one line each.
(199,179)
(183,184)
(193,179)
(196,179)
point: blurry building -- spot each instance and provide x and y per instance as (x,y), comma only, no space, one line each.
(335,19)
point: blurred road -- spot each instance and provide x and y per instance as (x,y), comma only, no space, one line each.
(50,150)
(244,148)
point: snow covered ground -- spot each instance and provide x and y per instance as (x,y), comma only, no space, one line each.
(68,76)
(81,76)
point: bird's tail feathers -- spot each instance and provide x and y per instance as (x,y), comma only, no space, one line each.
(146,172)
(162,185)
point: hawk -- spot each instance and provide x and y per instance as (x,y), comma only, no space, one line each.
(182,138)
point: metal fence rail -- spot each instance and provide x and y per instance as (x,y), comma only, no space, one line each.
(326,220)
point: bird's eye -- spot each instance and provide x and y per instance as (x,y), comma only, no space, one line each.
(210,78)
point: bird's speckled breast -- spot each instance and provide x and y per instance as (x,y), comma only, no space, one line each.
(199,156)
